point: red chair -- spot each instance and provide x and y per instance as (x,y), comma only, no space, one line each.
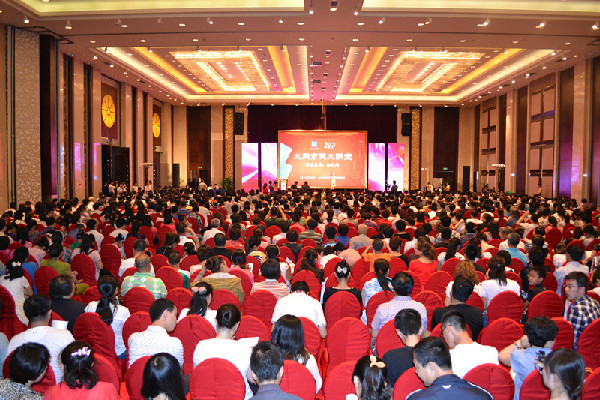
(137,322)
(475,300)
(245,280)
(375,301)
(593,295)
(342,304)
(128,272)
(170,277)
(438,282)
(396,265)
(550,282)
(493,378)
(516,265)
(589,343)
(552,237)
(42,277)
(181,297)
(406,384)
(307,243)
(515,277)
(138,299)
(190,330)
(159,261)
(128,246)
(577,243)
(273,230)
(339,382)
(348,340)
(298,380)
(449,265)
(591,386)
(149,234)
(547,303)
(387,339)
(92,294)
(105,371)
(89,327)
(359,269)
(252,327)
(332,281)
(188,261)
(313,341)
(566,336)
(9,323)
(217,379)
(311,280)
(431,301)
(111,258)
(505,304)
(533,388)
(418,285)
(286,253)
(366,278)
(224,296)
(260,304)
(133,378)
(85,268)
(254,265)
(483,262)
(501,333)
(179,249)
(330,266)
(162,233)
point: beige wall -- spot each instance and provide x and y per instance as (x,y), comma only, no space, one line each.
(216,138)
(79,155)
(427,127)
(180,155)
(466,127)
(166,158)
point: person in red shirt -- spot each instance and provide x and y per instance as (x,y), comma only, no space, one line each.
(425,265)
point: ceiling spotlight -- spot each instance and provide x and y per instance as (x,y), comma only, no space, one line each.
(149,49)
(333,6)
(209,20)
(95,57)
(241,23)
(553,52)
(159,21)
(382,20)
(356,12)
(280,20)
(596,26)
(541,25)
(68,25)
(367,49)
(182,25)
(26,20)
(428,21)
(484,23)
(311,11)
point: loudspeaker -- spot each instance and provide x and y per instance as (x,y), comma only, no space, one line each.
(238,123)
(175,175)
(406,119)
(466,178)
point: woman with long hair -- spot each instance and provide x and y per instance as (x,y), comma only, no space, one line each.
(497,281)
(342,274)
(87,247)
(379,283)
(563,372)
(80,378)
(288,334)
(162,379)
(15,282)
(310,262)
(451,252)
(369,378)
(200,303)
(465,269)
(426,263)
(110,311)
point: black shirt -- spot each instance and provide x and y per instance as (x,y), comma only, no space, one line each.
(330,291)
(397,362)
(222,251)
(69,310)
(449,387)
(472,314)
(534,291)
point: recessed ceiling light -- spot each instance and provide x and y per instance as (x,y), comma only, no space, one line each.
(463,40)
(300,23)
(595,26)
(143,40)
(241,23)
(541,25)
(409,40)
(182,25)
(382,20)
(355,40)
(95,57)
(301,39)
(567,43)
(194,40)
(92,41)
(68,25)
(280,21)
(209,20)
(360,23)
(484,23)
(26,20)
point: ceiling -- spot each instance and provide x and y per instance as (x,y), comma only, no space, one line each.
(312,51)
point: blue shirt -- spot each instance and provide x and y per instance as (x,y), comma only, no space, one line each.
(522,362)
(516,253)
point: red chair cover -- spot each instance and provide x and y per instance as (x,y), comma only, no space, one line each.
(483,262)
(501,333)
(272,231)
(190,330)
(128,246)
(342,304)
(148,233)
(111,258)
(188,261)
(170,277)
(550,282)
(128,272)
(260,304)
(105,371)
(339,382)
(313,341)
(591,386)
(515,277)
(348,340)
(593,295)
(566,336)
(286,253)
(418,285)
(516,264)
(547,303)
(476,300)
(133,378)
(493,378)
(533,388)
(375,301)
(553,236)
(311,280)
(9,323)
(179,249)
(396,265)
(450,265)
(42,277)
(159,261)
(181,297)
(366,278)
(246,282)
(138,299)
(359,269)
(387,339)
(162,233)
(224,296)
(589,343)
(55,317)
(494,242)
(92,294)
(431,301)
(85,268)
(298,380)
(252,327)
(577,243)
(330,265)
(90,328)
(137,322)
(505,304)
(217,379)
(438,282)
(308,243)
(406,384)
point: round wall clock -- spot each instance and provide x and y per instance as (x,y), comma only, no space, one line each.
(108,111)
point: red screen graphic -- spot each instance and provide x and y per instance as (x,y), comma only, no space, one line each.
(312,156)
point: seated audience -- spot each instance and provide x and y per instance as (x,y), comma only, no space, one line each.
(222,279)
(369,378)
(87,248)
(409,329)
(360,240)
(266,369)
(563,373)
(583,310)
(162,378)
(238,261)
(139,248)
(377,246)
(81,380)
(426,263)
(155,339)
(15,282)
(513,242)
(300,304)
(342,274)
(28,366)
(271,271)
(466,353)
(574,256)
(220,249)
(310,262)
(144,278)
(497,281)
(272,253)
(174,260)
(377,284)
(61,292)
(464,269)
(310,233)
(200,303)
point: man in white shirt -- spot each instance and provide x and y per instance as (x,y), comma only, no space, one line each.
(574,255)
(38,310)
(139,248)
(300,304)
(91,225)
(466,354)
(155,339)
(214,229)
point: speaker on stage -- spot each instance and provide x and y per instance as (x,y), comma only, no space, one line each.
(238,123)
(406,119)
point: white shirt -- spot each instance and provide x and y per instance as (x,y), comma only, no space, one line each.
(311,365)
(300,304)
(504,245)
(17,287)
(125,265)
(562,272)
(97,236)
(54,339)
(210,316)
(210,234)
(38,254)
(116,232)
(120,315)
(465,357)
(491,287)
(154,340)
(476,289)
(236,352)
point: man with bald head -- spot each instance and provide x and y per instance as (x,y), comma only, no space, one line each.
(144,278)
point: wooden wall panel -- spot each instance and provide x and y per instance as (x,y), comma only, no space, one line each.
(521,139)
(445,143)
(565,131)
(199,143)
(595,94)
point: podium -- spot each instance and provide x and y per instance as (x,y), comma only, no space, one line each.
(283,184)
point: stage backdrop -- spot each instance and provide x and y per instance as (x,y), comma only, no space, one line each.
(312,156)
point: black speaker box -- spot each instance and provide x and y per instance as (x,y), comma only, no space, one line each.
(406,119)
(238,123)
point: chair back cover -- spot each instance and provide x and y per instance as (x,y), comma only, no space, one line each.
(387,339)
(261,305)
(252,327)
(217,379)
(298,380)
(589,343)
(476,300)
(85,268)
(10,323)
(188,261)
(181,297)
(89,327)
(348,340)
(342,304)
(547,303)
(533,388)
(133,378)
(591,386)
(170,277)
(106,371)
(339,382)
(42,277)
(406,384)
(138,299)
(311,280)
(505,304)
(450,265)
(566,336)
(190,330)
(431,301)
(313,341)
(246,282)
(493,378)
(92,294)
(159,261)
(501,333)
(137,322)
(224,296)
(375,301)
(111,258)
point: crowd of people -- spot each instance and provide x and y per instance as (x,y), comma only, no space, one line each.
(359,242)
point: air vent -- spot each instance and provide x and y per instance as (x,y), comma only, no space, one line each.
(316,64)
